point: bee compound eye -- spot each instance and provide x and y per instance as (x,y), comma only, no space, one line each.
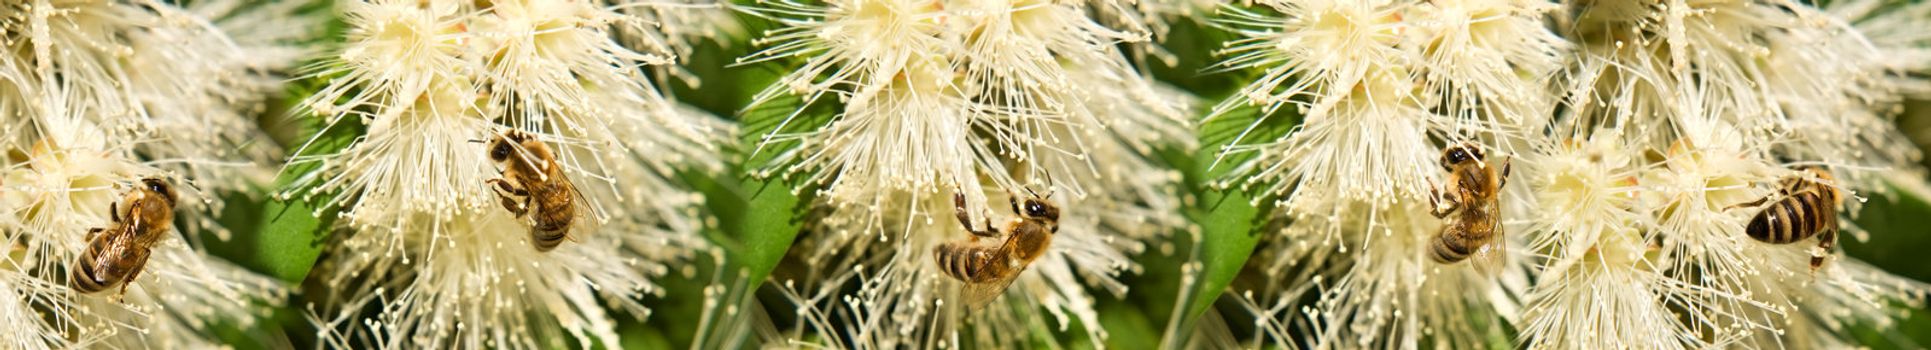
(155,185)
(500,152)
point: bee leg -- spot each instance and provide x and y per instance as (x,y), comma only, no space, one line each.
(1436,206)
(1757,202)
(959,210)
(516,208)
(1505,172)
(132,276)
(114,211)
(524,207)
(502,188)
(508,194)
(965,218)
(1826,244)
(91,233)
(1442,212)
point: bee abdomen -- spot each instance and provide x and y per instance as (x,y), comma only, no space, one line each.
(547,239)
(965,263)
(1444,251)
(1790,220)
(83,276)
(554,214)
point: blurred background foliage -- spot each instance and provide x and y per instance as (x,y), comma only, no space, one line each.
(1174,300)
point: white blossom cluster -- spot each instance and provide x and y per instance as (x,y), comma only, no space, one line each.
(426,243)
(1635,130)
(98,95)
(901,104)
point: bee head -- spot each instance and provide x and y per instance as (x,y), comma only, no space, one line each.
(500,149)
(1819,171)
(1822,175)
(1461,154)
(1036,208)
(156,185)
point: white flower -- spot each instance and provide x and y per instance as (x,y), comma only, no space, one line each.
(1373,83)
(1363,136)
(1601,284)
(1386,293)
(1380,88)
(543,56)
(396,51)
(62,189)
(480,284)
(1611,296)
(418,161)
(987,99)
(430,244)
(1715,102)
(31,329)
(1484,59)
(101,94)
(1846,293)
(1585,189)
(887,62)
(164,70)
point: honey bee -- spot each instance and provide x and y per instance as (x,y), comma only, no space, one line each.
(987,269)
(1805,208)
(533,184)
(1471,197)
(116,254)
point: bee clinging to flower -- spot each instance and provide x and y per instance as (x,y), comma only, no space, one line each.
(116,254)
(1472,198)
(533,185)
(1805,206)
(988,269)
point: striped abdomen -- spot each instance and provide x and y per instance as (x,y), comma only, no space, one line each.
(89,278)
(1800,216)
(555,209)
(970,263)
(1465,233)
(109,260)
(1448,250)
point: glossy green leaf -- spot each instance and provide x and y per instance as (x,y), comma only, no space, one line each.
(1894,230)
(763,216)
(1895,224)
(282,238)
(1229,217)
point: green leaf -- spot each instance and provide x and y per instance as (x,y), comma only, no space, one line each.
(1128,328)
(1227,240)
(755,234)
(1229,218)
(1894,224)
(289,232)
(757,227)
(291,238)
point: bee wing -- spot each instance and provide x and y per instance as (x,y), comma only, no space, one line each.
(1492,258)
(114,241)
(977,295)
(589,215)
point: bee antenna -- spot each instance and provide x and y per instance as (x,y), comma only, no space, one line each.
(475,141)
(1029,190)
(1049,186)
